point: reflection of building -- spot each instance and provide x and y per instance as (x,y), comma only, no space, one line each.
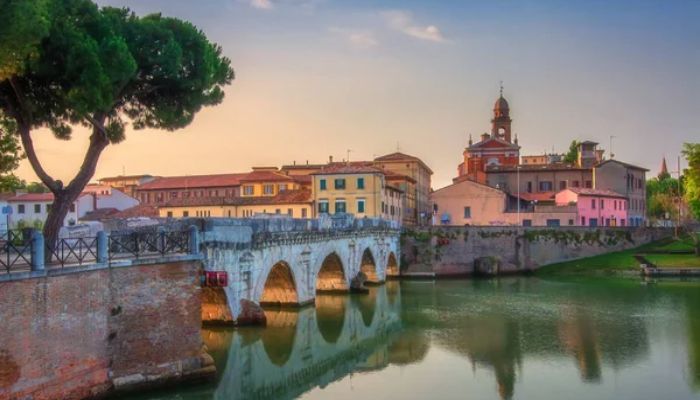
(579,336)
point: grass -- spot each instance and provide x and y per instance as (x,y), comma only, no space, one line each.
(674,260)
(684,244)
(604,263)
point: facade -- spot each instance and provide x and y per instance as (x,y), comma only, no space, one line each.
(360,190)
(495,149)
(164,189)
(471,203)
(265,181)
(128,184)
(627,180)
(292,203)
(416,186)
(31,209)
(596,207)
(548,178)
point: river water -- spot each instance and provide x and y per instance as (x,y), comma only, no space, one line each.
(519,338)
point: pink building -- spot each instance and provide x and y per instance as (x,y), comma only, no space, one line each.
(596,207)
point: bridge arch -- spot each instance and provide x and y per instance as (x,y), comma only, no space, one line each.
(280,288)
(369,266)
(331,276)
(392,265)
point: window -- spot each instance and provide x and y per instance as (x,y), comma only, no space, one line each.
(20,209)
(553,222)
(467,212)
(527,222)
(185,213)
(583,221)
(392,210)
(545,186)
(602,204)
(593,204)
(529,187)
(278,211)
(340,206)
(170,214)
(360,183)
(593,222)
(248,190)
(322,184)
(323,206)
(37,208)
(607,222)
(622,222)
(360,206)
(173,195)
(575,184)
(562,185)
(290,212)
(268,189)
(571,222)
(589,185)
(339,183)
(303,213)
(282,187)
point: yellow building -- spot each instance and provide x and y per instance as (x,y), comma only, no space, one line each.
(293,203)
(268,181)
(356,189)
(417,191)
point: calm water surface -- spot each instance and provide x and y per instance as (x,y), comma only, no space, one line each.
(519,338)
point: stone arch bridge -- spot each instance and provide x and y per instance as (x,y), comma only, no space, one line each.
(285,262)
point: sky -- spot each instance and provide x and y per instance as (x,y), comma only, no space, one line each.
(316,78)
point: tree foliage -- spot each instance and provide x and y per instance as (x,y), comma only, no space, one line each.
(571,155)
(68,62)
(691,152)
(10,155)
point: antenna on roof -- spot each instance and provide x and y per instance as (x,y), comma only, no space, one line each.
(398,146)
(348,159)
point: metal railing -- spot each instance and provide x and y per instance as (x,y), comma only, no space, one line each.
(141,244)
(15,249)
(25,250)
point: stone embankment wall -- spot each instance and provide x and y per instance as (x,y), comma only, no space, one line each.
(445,251)
(84,334)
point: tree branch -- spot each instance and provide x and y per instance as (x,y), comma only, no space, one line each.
(98,142)
(28,145)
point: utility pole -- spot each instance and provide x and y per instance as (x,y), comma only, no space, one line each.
(611,140)
(679,195)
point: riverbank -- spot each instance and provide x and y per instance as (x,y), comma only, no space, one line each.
(666,254)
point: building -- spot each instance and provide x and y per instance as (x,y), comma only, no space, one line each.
(269,181)
(596,207)
(356,189)
(127,184)
(164,189)
(467,202)
(494,149)
(494,161)
(416,186)
(628,180)
(295,203)
(32,209)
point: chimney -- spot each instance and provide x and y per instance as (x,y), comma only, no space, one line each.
(330,159)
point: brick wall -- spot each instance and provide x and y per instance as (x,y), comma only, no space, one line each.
(83,334)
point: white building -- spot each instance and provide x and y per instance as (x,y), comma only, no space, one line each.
(32,209)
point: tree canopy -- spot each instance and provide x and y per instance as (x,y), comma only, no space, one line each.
(68,62)
(10,155)
(571,155)
(691,151)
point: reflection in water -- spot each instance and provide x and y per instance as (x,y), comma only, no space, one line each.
(508,338)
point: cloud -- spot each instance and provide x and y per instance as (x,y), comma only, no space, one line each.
(262,4)
(402,21)
(357,39)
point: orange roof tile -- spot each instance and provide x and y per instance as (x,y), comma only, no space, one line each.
(193,181)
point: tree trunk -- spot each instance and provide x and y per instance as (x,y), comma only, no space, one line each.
(64,197)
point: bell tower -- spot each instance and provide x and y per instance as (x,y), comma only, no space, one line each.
(500,124)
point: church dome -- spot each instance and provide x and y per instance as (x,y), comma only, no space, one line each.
(501,105)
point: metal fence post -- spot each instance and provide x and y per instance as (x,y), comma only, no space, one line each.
(38,248)
(194,240)
(102,254)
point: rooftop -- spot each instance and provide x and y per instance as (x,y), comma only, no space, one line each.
(284,197)
(596,192)
(194,181)
(399,157)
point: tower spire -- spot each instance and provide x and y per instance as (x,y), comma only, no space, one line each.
(663,174)
(501,86)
